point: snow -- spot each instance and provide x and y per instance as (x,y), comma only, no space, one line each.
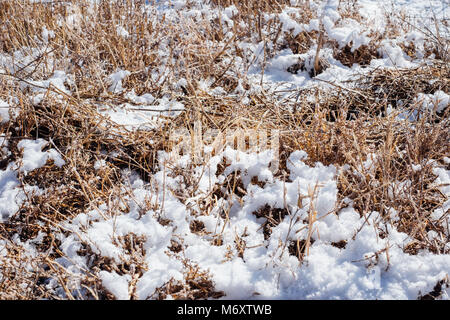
(8,193)
(394,56)
(11,193)
(116,284)
(4,111)
(34,157)
(144,113)
(121,31)
(290,24)
(100,164)
(146,98)
(116,80)
(370,266)
(350,32)
(437,101)
(47,34)
(40,88)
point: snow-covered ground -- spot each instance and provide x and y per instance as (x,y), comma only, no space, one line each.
(348,256)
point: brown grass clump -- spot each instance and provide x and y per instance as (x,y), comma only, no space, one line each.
(254,6)
(405,84)
(195,285)
(302,42)
(80,134)
(273,218)
(414,197)
(374,93)
(362,56)
(359,126)
(299,248)
(21,275)
(437,291)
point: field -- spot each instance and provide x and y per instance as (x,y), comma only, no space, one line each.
(195,149)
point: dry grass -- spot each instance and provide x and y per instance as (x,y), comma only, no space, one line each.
(196,285)
(341,127)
